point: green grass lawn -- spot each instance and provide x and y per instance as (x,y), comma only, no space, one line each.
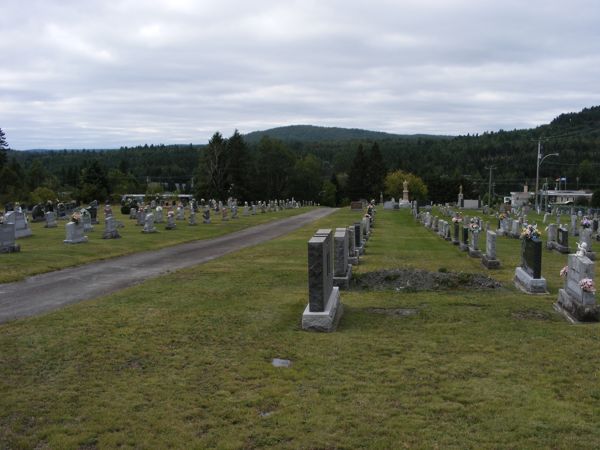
(185,360)
(45,251)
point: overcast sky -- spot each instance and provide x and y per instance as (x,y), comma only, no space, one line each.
(106,73)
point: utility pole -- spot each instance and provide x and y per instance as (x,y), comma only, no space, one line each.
(537,175)
(490,186)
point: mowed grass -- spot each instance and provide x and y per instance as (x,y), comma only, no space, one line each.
(184,360)
(45,251)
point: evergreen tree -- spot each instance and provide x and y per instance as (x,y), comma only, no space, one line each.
(239,166)
(275,163)
(213,169)
(358,186)
(376,172)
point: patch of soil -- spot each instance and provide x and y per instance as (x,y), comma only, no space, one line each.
(402,312)
(530,314)
(409,280)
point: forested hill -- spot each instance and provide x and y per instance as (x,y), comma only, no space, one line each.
(311,133)
(294,155)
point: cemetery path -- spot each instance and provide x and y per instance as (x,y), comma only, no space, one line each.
(49,291)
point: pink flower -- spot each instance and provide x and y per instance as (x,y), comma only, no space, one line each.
(564,271)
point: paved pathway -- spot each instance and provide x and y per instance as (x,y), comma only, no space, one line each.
(54,290)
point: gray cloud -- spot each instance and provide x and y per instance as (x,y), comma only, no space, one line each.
(104,74)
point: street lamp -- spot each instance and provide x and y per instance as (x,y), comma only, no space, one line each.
(540,160)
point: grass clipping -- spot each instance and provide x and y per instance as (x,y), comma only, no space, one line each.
(412,280)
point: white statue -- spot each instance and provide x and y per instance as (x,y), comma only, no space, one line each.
(581,249)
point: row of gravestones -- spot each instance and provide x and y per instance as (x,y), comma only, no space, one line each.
(576,300)
(331,255)
(464,233)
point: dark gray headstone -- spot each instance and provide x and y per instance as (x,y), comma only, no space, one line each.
(531,257)
(320,277)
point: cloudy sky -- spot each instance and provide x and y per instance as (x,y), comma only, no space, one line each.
(106,73)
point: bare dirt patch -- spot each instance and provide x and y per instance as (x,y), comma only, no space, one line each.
(410,280)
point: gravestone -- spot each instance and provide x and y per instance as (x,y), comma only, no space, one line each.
(577,304)
(86,220)
(353,257)
(253,209)
(515,231)
(574,230)
(180,213)
(489,259)
(225,214)
(37,213)
(434,226)
(74,232)
(528,276)
(447,235)
(595,225)
(110,228)
(234,212)
(192,220)
(342,269)
(365,229)
(562,241)
(133,213)
(171,225)
(474,245)
(324,308)
(206,215)
(19,219)
(455,234)
(141,217)
(246,211)
(158,215)
(50,220)
(464,239)
(358,241)
(356,206)
(551,240)
(93,211)
(149,226)
(7,238)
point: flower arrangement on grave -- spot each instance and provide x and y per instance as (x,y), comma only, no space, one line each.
(530,232)
(587,285)
(474,225)
(457,218)
(76,217)
(171,213)
(564,271)
(585,222)
(502,216)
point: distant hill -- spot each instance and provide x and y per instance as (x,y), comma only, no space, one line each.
(311,133)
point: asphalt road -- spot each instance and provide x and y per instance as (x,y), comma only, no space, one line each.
(46,292)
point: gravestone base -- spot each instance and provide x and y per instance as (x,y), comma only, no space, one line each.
(205,220)
(114,234)
(80,240)
(528,284)
(490,263)
(550,245)
(575,310)
(500,232)
(326,321)
(360,250)
(24,232)
(474,253)
(591,255)
(463,247)
(455,241)
(561,248)
(10,248)
(343,282)
(354,260)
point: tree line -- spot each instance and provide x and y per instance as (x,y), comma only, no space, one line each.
(332,172)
